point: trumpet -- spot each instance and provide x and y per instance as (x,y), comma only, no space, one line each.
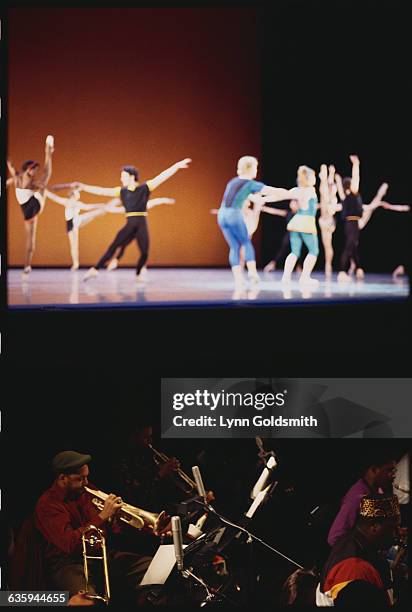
(133,516)
(162,457)
(93,538)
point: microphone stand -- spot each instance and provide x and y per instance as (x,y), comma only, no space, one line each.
(250,536)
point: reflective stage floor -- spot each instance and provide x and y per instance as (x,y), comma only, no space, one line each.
(194,287)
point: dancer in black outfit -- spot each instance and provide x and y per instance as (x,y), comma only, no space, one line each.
(134,198)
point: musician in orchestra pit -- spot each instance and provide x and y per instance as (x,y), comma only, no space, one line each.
(356,573)
(137,476)
(377,479)
(144,482)
(63,513)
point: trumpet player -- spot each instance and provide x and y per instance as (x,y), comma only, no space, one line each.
(63,513)
(146,482)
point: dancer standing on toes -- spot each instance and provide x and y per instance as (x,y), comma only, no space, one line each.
(134,199)
(75,220)
(30,194)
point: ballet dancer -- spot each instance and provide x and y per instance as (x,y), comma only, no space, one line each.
(231,218)
(252,209)
(285,242)
(119,208)
(355,216)
(134,197)
(30,194)
(328,206)
(75,220)
(302,226)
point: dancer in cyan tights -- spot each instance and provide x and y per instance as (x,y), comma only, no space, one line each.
(30,194)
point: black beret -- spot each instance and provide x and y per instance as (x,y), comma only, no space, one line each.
(68,461)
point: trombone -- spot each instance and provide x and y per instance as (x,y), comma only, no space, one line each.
(162,457)
(94,538)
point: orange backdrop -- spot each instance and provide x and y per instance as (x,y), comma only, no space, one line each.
(134,86)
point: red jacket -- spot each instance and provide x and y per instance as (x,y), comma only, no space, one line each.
(61,521)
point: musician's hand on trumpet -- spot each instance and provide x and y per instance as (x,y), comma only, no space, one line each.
(163,525)
(112,504)
(170,466)
(210,496)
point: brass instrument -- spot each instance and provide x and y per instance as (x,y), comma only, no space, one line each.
(133,516)
(94,538)
(162,457)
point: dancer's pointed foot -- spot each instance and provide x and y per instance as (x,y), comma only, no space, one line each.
(343,277)
(91,273)
(399,271)
(360,274)
(113,264)
(75,266)
(270,266)
(26,271)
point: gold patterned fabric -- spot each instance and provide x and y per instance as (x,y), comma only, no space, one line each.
(384,507)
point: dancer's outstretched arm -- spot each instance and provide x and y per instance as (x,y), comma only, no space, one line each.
(13,174)
(67,202)
(355,182)
(323,187)
(104,191)
(277,194)
(168,173)
(339,185)
(158,201)
(274,211)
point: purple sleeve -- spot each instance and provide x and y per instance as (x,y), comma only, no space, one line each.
(346,517)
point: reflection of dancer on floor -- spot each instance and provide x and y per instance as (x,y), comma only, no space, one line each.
(134,197)
(114,262)
(75,220)
(302,226)
(231,218)
(30,194)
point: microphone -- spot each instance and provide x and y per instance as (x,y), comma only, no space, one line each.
(199,482)
(177,541)
(264,477)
